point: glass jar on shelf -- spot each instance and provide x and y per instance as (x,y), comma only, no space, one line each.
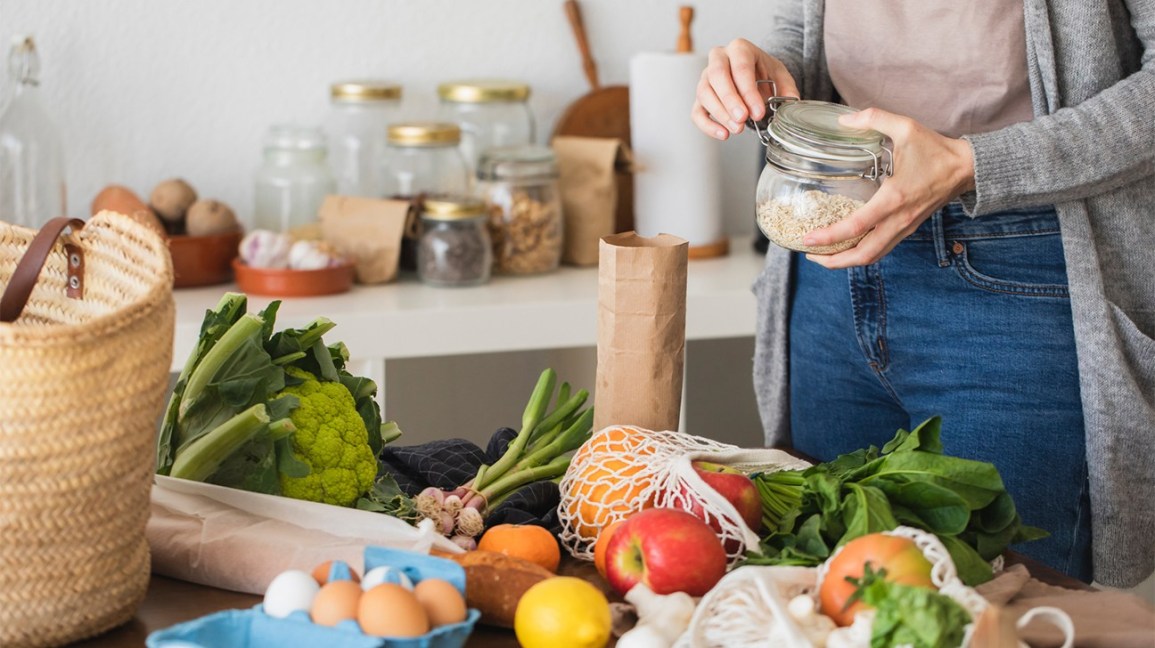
(520,187)
(293,179)
(817,171)
(32,189)
(454,249)
(422,159)
(360,112)
(491,113)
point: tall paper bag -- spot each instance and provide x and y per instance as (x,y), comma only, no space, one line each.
(641,331)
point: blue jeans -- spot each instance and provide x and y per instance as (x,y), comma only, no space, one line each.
(969,319)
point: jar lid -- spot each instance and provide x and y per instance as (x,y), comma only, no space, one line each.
(525,162)
(295,137)
(364,91)
(483,91)
(452,208)
(811,128)
(424,134)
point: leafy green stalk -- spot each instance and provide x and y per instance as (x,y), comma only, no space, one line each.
(204,456)
(245,329)
(216,322)
(515,480)
(534,410)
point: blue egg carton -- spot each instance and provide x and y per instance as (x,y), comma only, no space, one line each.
(252,628)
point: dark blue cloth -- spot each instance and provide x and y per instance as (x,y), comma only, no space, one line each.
(449,463)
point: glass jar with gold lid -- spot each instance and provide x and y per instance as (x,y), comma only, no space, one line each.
(423,158)
(360,111)
(491,113)
(455,248)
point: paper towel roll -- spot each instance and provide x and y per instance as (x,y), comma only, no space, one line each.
(677,177)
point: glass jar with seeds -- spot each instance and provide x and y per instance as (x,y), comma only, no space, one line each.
(519,184)
(817,171)
(454,248)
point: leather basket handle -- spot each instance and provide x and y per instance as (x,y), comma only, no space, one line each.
(27,271)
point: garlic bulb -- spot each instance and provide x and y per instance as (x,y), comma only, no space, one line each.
(265,249)
(311,255)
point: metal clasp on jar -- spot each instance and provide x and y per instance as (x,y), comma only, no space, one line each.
(761,127)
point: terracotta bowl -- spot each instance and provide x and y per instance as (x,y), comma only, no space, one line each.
(293,283)
(203,260)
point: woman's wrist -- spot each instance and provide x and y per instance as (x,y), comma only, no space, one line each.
(964,165)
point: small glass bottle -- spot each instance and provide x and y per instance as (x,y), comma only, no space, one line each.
(454,249)
(817,171)
(32,189)
(491,113)
(520,185)
(294,179)
(360,112)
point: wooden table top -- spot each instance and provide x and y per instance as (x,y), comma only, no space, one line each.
(171,601)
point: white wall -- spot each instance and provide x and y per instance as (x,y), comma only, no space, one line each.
(148,89)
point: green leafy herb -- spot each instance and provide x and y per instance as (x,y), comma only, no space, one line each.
(911,482)
(906,615)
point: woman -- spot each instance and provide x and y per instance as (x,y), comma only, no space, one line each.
(1006,279)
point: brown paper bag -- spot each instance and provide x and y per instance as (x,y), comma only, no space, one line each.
(596,186)
(368,231)
(641,331)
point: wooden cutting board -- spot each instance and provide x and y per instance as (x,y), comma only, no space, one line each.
(604,111)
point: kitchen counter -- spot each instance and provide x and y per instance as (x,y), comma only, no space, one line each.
(407,319)
(172,601)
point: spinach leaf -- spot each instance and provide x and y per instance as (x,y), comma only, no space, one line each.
(976,482)
(912,616)
(971,568)
(939,509)
(865,510)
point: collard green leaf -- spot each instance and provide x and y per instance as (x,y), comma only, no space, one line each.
(809,540)
(997,515)
(865,509)
(971,568)
(939,509)
(977,482)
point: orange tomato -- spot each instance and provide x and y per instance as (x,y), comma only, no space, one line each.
(903,561)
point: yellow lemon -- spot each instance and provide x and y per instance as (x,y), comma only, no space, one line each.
(562,612)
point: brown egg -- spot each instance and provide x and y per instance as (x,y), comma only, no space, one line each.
(321,573)
(441,600)
(336,602)
(390,610)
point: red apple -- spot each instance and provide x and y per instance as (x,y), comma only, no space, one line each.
(737,488)
(668,550)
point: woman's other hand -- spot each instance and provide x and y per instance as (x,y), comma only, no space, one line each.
(929,171)
(728,92)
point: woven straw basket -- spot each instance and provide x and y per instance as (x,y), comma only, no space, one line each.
(85,352)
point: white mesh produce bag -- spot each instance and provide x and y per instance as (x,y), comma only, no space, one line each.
(624,469)
(750,604)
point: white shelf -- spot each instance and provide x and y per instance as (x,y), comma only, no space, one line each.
(407,319)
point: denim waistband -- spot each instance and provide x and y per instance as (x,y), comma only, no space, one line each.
(952,223)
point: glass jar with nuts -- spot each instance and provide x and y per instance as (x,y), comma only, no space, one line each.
(525,221)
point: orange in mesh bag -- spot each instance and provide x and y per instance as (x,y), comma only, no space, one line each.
(623,469)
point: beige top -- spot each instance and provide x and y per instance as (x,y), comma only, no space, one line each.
(959,68)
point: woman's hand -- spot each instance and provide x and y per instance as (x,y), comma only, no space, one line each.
(728,93)
(929,171)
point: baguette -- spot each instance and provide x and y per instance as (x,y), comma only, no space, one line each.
(494,583)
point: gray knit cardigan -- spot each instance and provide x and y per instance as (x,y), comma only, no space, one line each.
(1090,151)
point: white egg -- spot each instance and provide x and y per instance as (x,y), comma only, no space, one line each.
(385,574)
(290,591)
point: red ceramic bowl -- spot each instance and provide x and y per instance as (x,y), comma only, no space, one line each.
(293,283)
(203,260)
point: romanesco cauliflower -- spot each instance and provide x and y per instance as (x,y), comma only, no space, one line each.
(332,440)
